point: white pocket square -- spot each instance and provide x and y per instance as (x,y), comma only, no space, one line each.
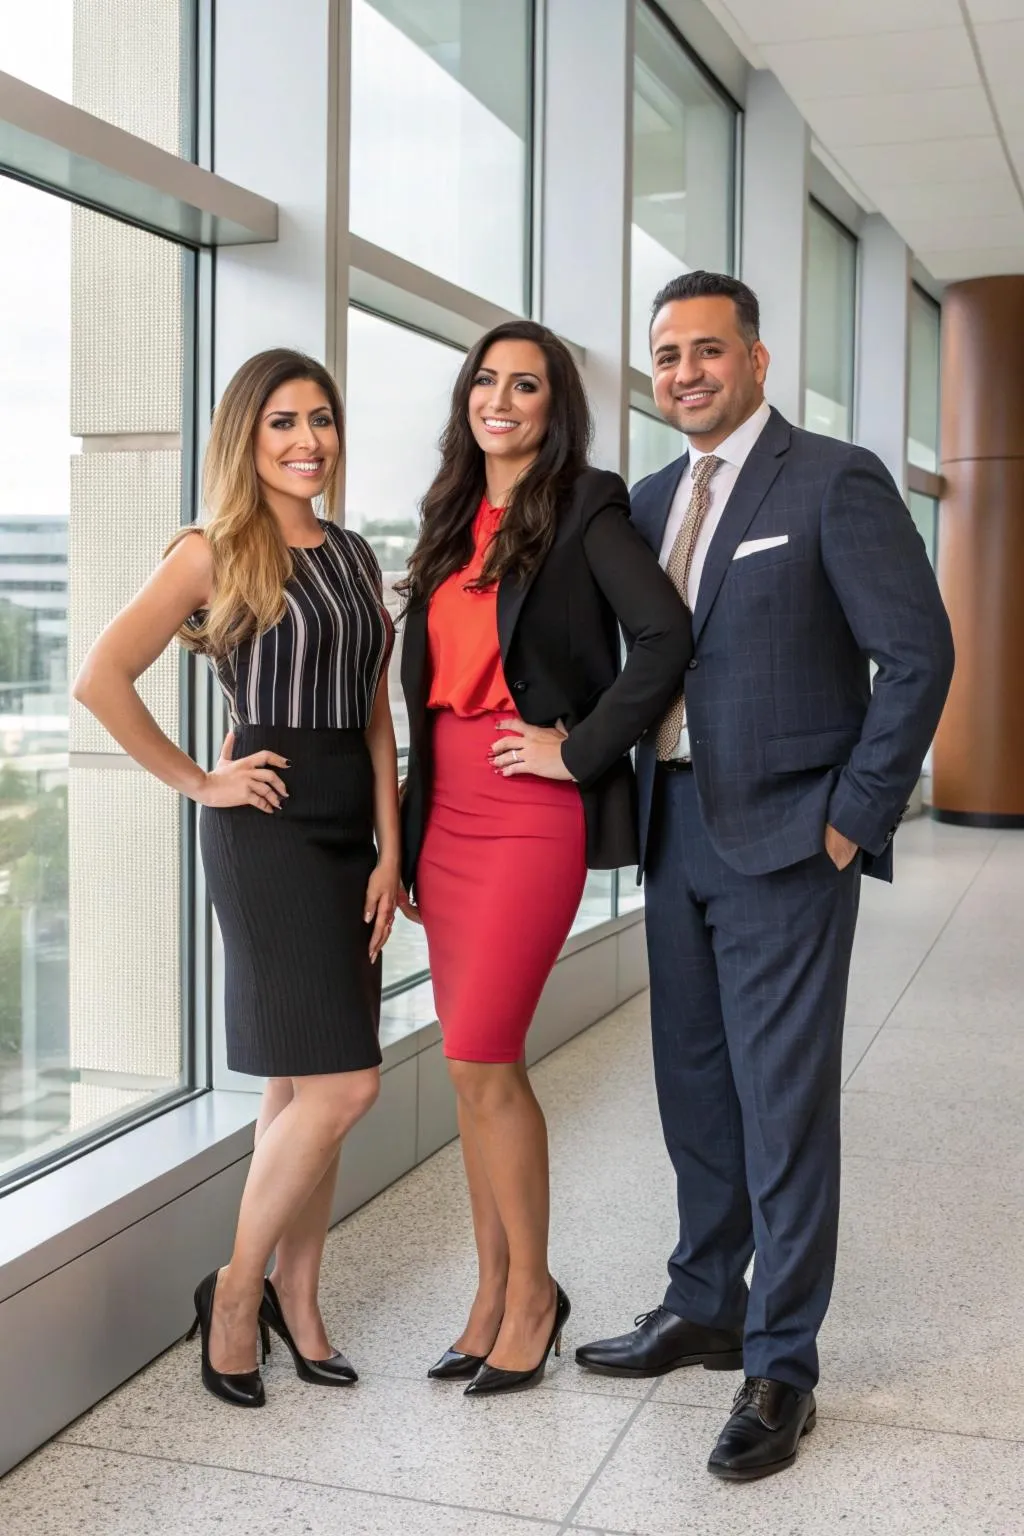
(754,546)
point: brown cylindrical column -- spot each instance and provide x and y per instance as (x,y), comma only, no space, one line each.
(979,749)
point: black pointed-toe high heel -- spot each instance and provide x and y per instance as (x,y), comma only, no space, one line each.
(335,1371)
(453,1364)
(489,1379)
(243,1389)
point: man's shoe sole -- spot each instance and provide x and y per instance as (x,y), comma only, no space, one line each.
(752,1474)
(721,1360)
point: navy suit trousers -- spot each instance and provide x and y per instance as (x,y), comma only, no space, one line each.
(749,976)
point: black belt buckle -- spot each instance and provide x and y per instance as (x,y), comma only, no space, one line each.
(677,764)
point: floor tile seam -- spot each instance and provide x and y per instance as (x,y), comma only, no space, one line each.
(383,1374)
(623,1431)
(546,1522)
(925,957)
(827,1417)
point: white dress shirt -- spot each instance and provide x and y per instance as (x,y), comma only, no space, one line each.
(733,452)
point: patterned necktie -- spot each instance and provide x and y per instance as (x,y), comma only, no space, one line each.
(677,568)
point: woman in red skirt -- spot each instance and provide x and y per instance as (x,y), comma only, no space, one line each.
(521,722)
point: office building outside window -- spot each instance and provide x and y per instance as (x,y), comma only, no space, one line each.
(91,411)
(830,320)
(441,141)
(684,138)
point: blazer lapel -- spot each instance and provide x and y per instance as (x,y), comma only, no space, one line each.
(651,510)
(415,679)
(511,597)
(753,483)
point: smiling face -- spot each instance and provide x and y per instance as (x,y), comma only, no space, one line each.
(708,376)
(510,402)
(296,444)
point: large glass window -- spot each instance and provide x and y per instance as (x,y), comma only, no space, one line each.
(130,63)
(652,444)
(91,990)
(399,387)
(831,302)
(440,163)
(683,172)
(925,512)
(923,430)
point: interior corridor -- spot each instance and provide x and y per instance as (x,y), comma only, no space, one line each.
(921,1406)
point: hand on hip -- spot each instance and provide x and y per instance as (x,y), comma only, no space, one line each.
(535,749)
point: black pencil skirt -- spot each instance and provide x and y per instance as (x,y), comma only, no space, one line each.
(300,994)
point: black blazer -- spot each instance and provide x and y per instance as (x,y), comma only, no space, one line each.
(560,649)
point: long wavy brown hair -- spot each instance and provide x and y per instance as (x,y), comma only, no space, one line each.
(527,530)
(251,561)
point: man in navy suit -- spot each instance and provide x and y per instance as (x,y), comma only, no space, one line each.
(763,799)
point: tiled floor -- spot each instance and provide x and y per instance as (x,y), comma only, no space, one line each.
(921,1421)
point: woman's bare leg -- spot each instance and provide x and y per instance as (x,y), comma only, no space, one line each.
(295,1152)
(488,1307)
(511,1135)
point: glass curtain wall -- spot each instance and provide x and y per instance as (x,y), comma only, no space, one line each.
(98,316)
(440,174)
(93,998)
(652,445)
(830,325)
(684,149)
(128,63)
(441,115)
(923,430)
(684,191)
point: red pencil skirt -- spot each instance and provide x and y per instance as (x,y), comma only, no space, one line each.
(498,883)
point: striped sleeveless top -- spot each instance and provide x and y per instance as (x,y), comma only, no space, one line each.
(319,667)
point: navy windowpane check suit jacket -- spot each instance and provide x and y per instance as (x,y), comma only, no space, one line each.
(787,732)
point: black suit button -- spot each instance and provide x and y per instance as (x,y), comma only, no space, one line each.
(692,664)
(519,687)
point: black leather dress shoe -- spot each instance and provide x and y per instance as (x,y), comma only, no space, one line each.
(764,1429)
(662,1342)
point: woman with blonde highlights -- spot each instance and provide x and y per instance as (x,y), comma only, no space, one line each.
(299,826)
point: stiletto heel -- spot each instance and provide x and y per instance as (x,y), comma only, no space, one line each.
(335,1371)
(490,1379)
(243,1389)
(264,1340)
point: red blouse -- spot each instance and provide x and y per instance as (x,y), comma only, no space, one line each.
(462,634)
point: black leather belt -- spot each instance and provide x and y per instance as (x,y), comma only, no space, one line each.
(677,765)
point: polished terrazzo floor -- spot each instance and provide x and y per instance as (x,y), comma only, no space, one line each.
(921,1408)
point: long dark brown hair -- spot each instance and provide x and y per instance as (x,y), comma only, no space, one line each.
(527,530)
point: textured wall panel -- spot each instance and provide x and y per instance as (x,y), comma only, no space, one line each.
(93,1102)
(125,984)
(127,66)
(124,509)
(126,328)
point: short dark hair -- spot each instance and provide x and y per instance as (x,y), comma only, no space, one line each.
(714,285)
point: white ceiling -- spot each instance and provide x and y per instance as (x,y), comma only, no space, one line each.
(921,105)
